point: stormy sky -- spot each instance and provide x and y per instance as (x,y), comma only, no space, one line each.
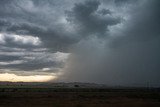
(114,42)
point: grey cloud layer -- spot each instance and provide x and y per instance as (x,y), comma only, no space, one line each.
(111,41)
(42,19)
(26,28)
(29,60)
(54,25)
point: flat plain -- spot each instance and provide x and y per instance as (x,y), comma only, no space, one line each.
(78,97)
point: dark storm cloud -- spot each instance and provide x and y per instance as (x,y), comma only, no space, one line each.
(40,18)
(131,56)
(135,53)
(105,11)
(32,18)
(121,2)
(143,25)
(115,42)
(87,20)
(21,20)
(29,25)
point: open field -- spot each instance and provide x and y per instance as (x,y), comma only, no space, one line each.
(79,97)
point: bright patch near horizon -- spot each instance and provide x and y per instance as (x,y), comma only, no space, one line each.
(17,78)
